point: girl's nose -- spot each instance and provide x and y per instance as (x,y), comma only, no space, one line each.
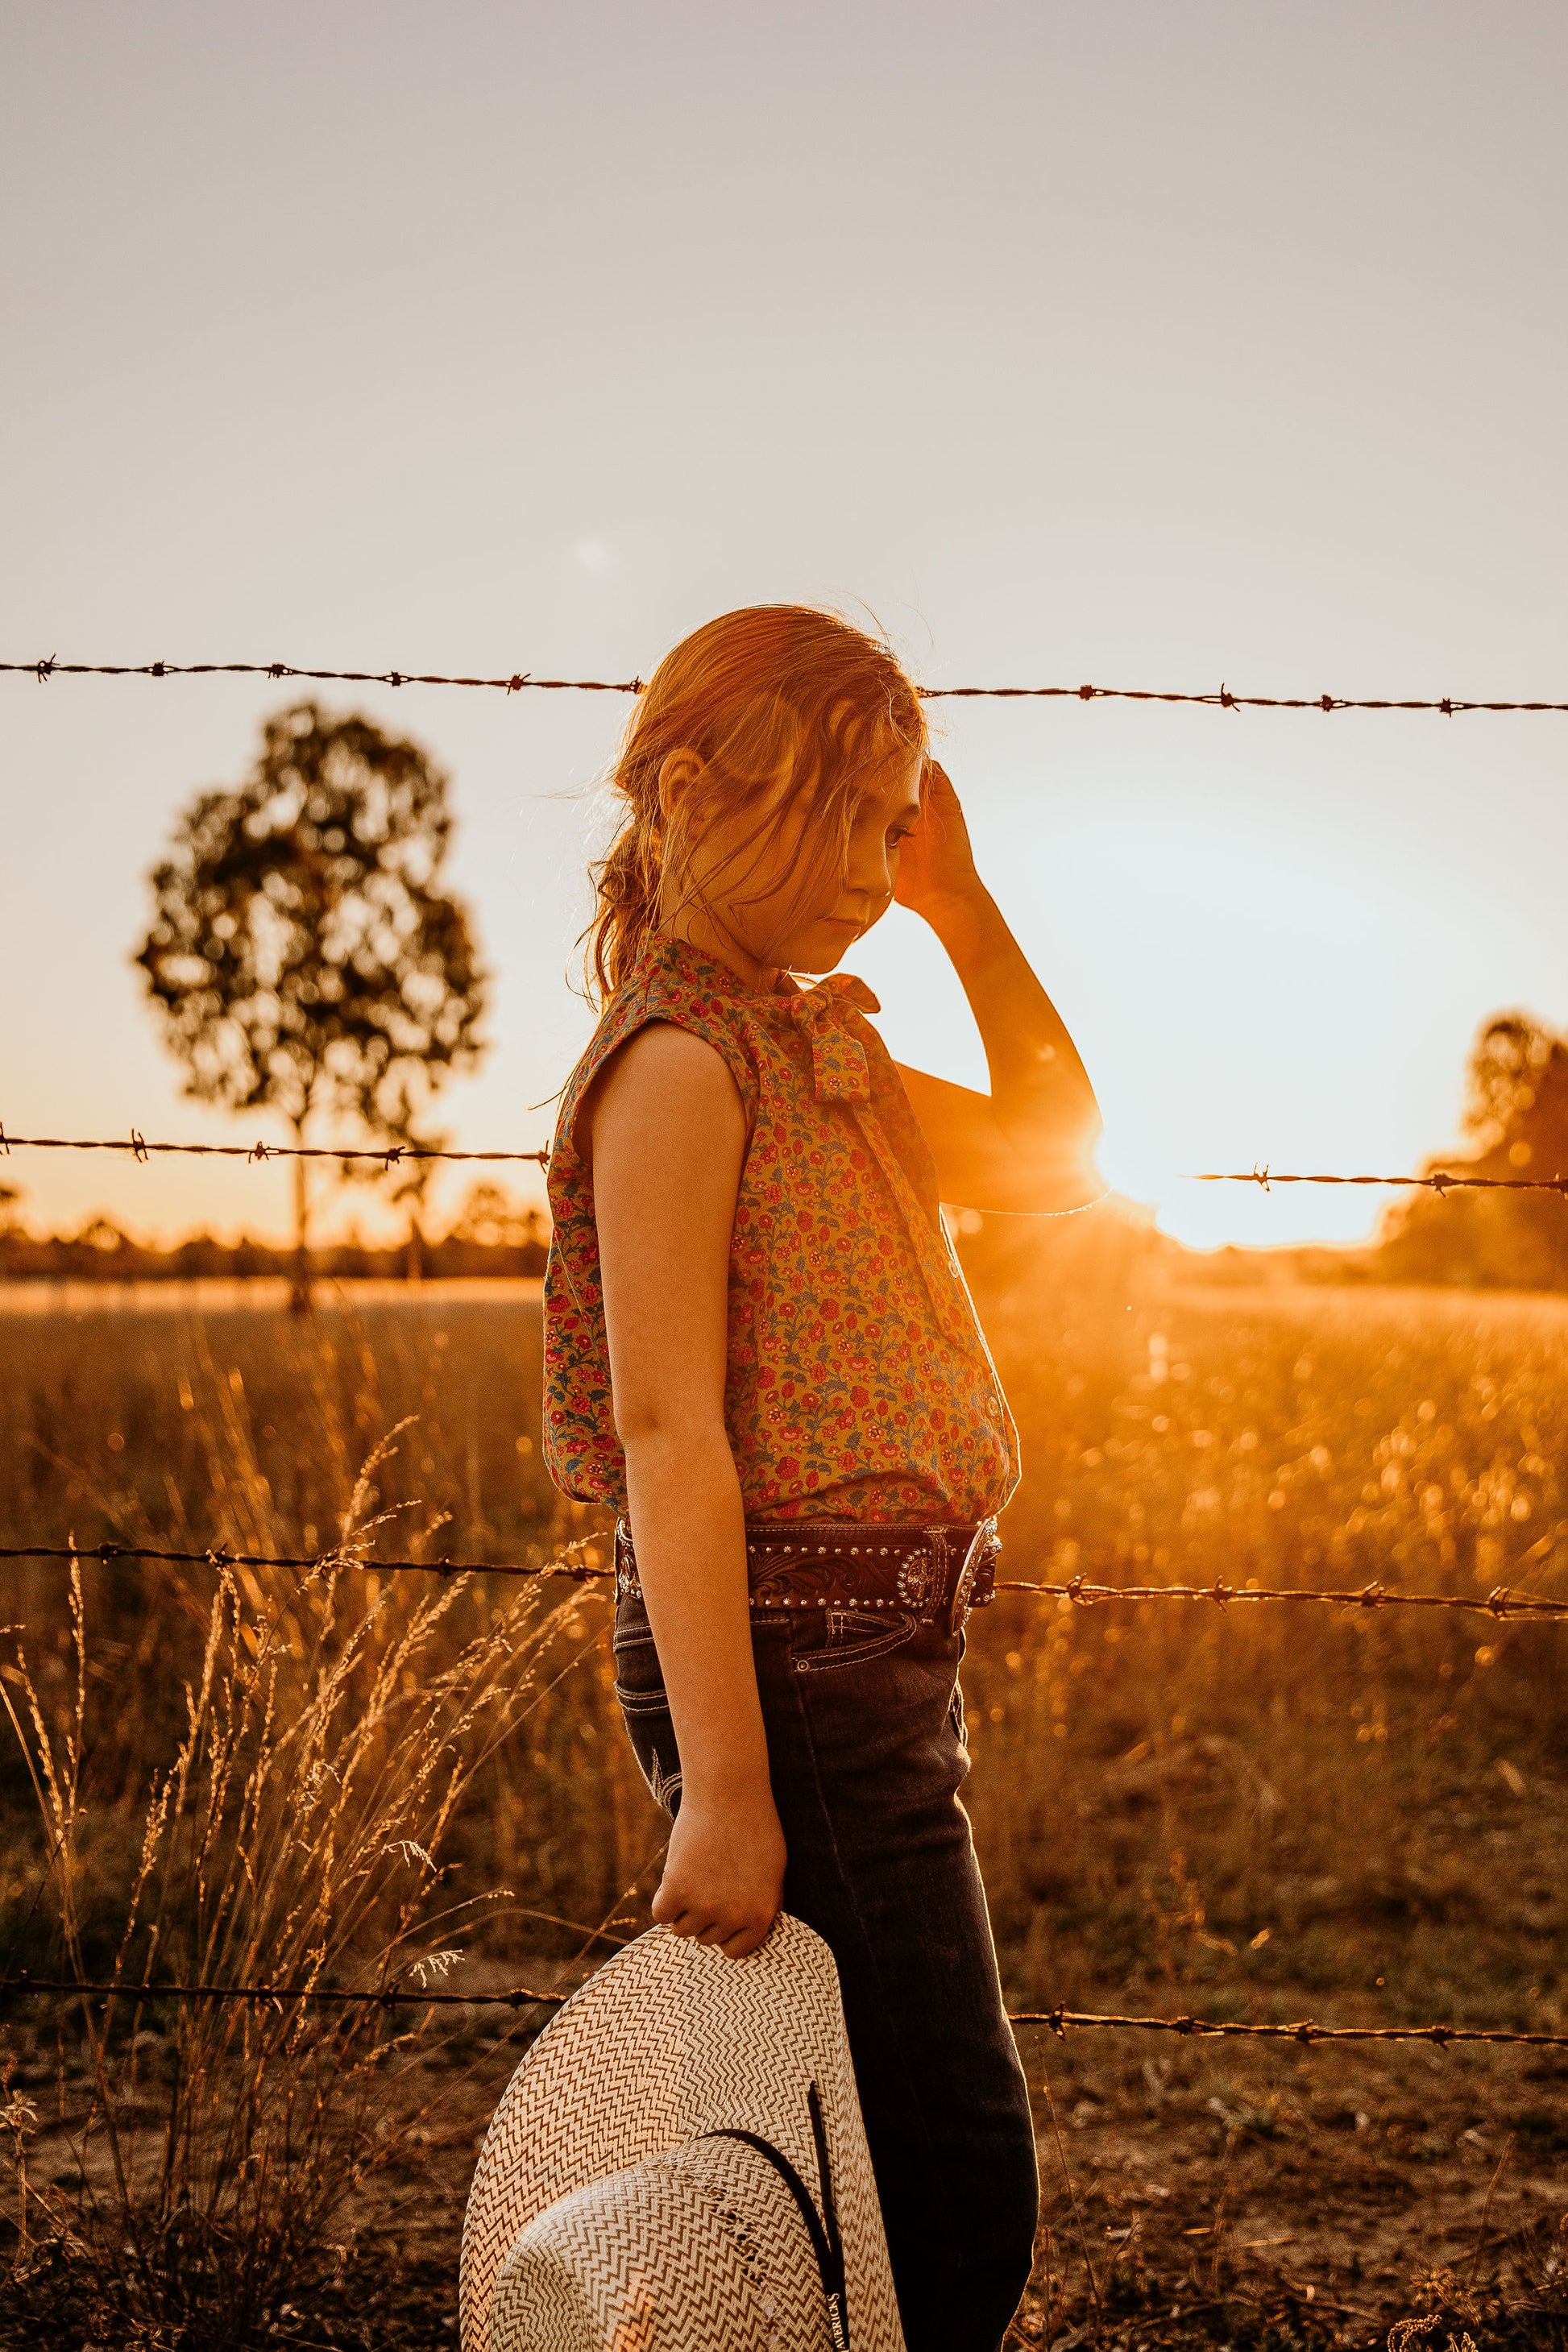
(871,874)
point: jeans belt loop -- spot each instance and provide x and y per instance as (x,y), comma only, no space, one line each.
(626,1578)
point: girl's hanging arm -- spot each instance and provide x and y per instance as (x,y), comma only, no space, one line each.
(666,1131)
(1025,1148)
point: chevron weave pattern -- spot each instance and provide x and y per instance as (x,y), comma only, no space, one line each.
(669,2040)
(701,2248)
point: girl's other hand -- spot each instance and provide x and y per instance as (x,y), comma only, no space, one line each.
(936,864)
(723,1875)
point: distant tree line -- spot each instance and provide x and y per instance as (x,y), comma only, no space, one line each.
(493,1235)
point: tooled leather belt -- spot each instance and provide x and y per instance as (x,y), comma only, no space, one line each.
(934,1575)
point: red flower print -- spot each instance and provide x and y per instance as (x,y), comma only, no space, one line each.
(857,1381)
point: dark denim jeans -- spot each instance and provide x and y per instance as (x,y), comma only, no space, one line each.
(864,1726)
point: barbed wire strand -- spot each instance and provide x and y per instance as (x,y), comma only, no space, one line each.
(1441,1182)
(513,684)
(391,1155)
(394,1996)
(1222,698)
(1307,2032)
(219,1555)
(1500,1604)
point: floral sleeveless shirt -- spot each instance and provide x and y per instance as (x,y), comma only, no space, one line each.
(858,1385)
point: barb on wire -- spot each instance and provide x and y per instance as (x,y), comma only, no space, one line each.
(1500,1602)
(390,1155)
(1441,1182)
(1448,706)
(1307,2033)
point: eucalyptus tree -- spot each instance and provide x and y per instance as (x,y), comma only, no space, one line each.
(304,956)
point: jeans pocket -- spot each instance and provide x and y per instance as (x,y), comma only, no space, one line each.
(833,1638)
(637,1671)
(645,1708)
(639,1677)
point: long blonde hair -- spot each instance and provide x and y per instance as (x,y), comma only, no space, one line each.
(771,691)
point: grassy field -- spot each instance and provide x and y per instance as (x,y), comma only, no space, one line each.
(1261,1814)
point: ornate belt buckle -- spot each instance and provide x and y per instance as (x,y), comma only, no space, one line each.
(981,1557)
(983,1554)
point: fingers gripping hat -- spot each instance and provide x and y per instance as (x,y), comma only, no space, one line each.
(679,2164)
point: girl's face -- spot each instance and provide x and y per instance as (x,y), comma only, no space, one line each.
(748,892)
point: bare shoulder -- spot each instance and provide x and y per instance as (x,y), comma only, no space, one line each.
(663,1084)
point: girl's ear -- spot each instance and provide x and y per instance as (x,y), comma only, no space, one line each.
(678,771)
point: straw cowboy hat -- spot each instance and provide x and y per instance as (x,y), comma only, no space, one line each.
(679,2164)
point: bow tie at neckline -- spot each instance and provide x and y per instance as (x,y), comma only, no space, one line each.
(838,988)
(839,1070)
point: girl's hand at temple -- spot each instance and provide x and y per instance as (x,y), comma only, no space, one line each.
(936,864)
(1024,1146)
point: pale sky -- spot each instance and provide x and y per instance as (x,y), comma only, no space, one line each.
(1143,344)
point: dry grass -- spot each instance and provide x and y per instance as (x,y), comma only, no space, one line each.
(248,1429)
(1360,1817)
(1275,1804)
(312,1743)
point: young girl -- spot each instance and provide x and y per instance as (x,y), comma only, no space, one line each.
(761,1351)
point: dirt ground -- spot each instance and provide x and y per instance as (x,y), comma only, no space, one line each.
(1262,2194)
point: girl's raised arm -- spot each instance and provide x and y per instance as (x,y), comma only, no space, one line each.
(1025,1147)
(666,1131)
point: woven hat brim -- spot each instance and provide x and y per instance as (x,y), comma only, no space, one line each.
(670,2040)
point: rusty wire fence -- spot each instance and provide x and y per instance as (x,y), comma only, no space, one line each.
(1221,697)
(1077,1592)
